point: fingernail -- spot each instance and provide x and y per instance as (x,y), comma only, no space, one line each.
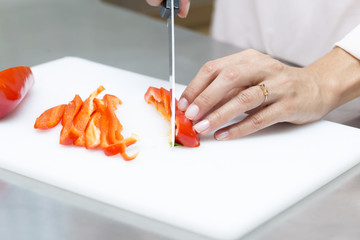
(183,14)
(202,126)
(222,136)
(192,111)
(182,104)
(187,9)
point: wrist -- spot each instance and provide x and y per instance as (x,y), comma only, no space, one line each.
(338,74)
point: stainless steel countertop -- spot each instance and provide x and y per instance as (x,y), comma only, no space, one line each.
(38,31)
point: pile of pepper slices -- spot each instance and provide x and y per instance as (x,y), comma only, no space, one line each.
(91,124)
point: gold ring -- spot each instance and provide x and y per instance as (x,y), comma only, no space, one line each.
(265,91)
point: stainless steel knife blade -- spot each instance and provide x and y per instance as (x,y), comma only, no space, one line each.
(169,10)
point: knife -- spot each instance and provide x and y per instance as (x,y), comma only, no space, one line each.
(169,9)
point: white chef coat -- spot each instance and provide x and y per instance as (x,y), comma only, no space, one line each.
(299,31)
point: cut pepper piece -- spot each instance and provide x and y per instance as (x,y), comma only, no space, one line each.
(184,131)
(115,126)
(92,133)
(160,98)
(120,147)
(70,112)
(50,118)
(82,118)
(112,140)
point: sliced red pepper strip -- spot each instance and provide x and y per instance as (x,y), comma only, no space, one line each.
(92,133)
(14,84)
(100,104)
(160,98)
(114,148)
(112,141)
(102,128)
(82,118)
(50,118)
(184,131)
(104,123)
(119,148)
(70,112)
(166,102)
(115,126)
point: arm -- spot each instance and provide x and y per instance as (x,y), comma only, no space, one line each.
(228,87)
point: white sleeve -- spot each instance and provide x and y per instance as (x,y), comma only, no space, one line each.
(351,42)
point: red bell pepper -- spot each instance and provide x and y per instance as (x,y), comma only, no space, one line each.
(14,85)
(50,118)
(92,123)
(184,131)
(92,133)
(120,146)
(82,118)
(115,126)
(70,111)
(112,141)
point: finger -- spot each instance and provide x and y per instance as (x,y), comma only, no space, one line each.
(210,70)
(231,94)
(154,2)
(246,100)
(207,73)
(231,77)
(264,118)
(184,8)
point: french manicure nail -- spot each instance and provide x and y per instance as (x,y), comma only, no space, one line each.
(187,8)
(182,104)
(192,111)
(222,136)
(202,126)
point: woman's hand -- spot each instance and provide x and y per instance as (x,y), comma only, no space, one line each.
(184,6)
(227,87)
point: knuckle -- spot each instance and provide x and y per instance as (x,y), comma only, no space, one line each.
(210,68)
(216,117)
(244,98)
(190,92)
(204,100)
(252,53)
(257,121)
(231,73)
(239,130)
(275,65)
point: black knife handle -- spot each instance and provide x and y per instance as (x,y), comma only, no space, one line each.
(165,8)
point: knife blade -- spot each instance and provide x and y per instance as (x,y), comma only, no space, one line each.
(169,9)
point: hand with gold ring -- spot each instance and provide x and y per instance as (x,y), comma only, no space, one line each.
(270,91)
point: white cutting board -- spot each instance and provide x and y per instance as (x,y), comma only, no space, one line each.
(221,189)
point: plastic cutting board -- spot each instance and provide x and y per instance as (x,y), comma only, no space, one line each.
(221,189)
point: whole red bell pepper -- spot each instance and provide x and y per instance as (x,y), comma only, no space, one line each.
(14,85)
(184,131)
